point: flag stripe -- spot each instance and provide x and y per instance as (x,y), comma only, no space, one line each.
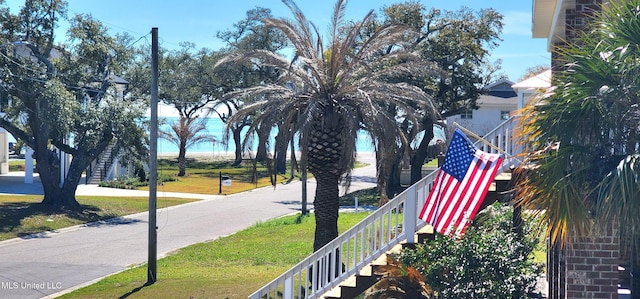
(492,169)
(482,186)
(476,182)
(464,196)
(455,199)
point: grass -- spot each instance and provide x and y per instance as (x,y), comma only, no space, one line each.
(16,165)
(431,163)
(23,215)
(366,197)
(230,267)
(203,177)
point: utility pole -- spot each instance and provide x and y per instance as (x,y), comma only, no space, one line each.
(153,163)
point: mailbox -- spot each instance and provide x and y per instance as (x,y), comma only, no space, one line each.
(226,180)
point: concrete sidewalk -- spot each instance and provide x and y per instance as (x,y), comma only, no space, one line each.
(53,263)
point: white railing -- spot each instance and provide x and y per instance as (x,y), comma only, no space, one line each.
(394,223)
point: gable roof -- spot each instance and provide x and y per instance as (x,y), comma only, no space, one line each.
(501,89)
(539,81)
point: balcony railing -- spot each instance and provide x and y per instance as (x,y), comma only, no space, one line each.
(394,223)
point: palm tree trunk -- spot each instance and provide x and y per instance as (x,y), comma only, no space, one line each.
(182,159)
(261,151)
(237,142)
(326,205)
(325,149)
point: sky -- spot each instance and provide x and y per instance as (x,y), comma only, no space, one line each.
(198,21)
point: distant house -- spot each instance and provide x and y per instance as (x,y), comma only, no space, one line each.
(22,50)
(500,101)
(495,106)
(531,87)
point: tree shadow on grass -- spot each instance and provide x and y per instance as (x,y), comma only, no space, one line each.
(17,218)
(135,290)
(194,164)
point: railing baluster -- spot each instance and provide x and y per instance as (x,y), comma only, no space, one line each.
(374,234)
(288,288)
(409,226)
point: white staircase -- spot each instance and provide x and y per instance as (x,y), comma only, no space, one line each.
(345,264)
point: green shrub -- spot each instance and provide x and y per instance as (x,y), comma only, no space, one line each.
(133,182)
(125,182)
(490,261)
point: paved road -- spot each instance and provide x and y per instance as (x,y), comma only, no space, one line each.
(54,263)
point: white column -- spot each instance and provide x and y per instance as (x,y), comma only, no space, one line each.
(520,100)
(410,214)
(28,166)
(4,152)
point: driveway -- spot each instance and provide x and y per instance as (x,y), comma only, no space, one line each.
(53,263)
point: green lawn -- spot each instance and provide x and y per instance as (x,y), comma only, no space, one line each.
(230,267)
(22,215)
(203,177)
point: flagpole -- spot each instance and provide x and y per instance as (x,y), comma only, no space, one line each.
(439,196)
(474,135)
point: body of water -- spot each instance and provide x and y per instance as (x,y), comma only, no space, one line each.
(215,127)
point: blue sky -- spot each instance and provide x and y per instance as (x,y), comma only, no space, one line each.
(197,21)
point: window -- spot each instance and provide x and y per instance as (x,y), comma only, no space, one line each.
(504,115)
(466,114)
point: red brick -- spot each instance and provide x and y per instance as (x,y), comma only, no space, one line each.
(609,275)
(601,268)
(604,240)
(593,274)
(582,253)
(576,260)
(576,287)
(610,247)
(603,282)
(612,288)
(581,267)
(593,261)
(592,288)
(603,254)
(604,295)
(574,294)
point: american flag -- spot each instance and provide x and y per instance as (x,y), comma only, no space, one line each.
(460,186)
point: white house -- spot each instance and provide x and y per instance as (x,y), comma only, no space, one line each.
(532,87)
(495,107)
(65,159)
(502,99)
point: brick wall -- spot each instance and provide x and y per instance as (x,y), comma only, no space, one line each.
(576,18)
(592,265)
(585,267)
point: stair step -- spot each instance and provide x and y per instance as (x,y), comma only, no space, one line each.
(357,284)
(335,293)
(425,233)
(380,261)
(353,286)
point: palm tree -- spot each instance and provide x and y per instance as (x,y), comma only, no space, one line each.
(328,92)
(187,132)
(593,115)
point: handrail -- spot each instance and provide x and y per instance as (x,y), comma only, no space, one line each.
(391,224)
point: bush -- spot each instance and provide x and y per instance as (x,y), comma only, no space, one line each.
(490,261)
(125,182)
(133,182)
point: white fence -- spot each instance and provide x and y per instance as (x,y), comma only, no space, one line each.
(394,223)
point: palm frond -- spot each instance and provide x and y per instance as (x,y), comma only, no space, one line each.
(255,56)
(619,193)
(337,19)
